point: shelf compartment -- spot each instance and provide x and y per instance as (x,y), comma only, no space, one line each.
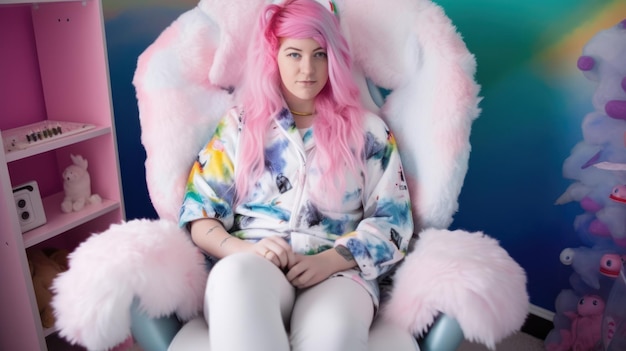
(59,222)
(53,144)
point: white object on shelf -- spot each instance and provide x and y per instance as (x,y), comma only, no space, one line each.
(24,137)
(30,211)
(57,143)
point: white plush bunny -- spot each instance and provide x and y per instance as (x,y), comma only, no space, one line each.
(77,186)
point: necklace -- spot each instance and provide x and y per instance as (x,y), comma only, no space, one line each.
(295,113)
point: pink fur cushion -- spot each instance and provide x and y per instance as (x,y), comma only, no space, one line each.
(465,275)
(152,260)
(412,48)
(178,106)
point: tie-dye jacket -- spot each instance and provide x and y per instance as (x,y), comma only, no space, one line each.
(374,221)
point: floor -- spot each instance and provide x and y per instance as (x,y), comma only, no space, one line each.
(517,342)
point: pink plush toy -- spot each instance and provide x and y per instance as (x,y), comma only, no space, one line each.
(77,186)
(618,194)
(586,329)
(611,264)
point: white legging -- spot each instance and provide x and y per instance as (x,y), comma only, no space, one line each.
(250,305)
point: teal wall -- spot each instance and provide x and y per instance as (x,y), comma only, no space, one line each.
(534,102)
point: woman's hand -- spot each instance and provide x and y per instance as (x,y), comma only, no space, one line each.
(311,270)
(308,271)
(212,238)
(276,250)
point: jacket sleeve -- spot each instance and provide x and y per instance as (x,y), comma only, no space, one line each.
(210,189)
(382,237)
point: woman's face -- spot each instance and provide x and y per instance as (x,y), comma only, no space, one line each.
(303,68)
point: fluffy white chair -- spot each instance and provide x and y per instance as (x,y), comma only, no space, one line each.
(184,82)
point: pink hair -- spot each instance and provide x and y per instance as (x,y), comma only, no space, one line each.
(338,127)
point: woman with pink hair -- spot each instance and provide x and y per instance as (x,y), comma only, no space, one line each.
(299,198)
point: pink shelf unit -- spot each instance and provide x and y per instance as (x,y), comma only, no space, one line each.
(53,65)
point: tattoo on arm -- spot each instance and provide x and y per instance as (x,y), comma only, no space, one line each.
(211,229)
(344,252)
(224,240)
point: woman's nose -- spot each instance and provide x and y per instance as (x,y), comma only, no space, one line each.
(306,65)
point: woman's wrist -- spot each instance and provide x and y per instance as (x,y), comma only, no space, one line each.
(211,236)
(340,258)
(344,252)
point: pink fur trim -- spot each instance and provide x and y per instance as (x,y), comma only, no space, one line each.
(236,21)
(434,97)
(178,106)
(154,261)
(467,276)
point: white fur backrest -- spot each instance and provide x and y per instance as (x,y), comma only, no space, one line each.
(407,46)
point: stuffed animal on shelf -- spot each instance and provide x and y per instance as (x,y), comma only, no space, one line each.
(77,186)
(44,267)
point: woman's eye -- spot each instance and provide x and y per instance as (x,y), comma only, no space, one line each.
(293,54)
(321,54)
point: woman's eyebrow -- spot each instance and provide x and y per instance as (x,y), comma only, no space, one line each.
(296,49)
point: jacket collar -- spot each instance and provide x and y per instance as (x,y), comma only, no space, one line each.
(285,121)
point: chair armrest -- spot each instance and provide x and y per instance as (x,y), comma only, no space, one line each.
(152,334)
(444,335)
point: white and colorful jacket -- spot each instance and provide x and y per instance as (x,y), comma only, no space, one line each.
(374,221)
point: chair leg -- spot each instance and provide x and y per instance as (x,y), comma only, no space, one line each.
(444,335)
(153,334)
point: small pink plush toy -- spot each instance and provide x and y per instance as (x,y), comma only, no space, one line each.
(586,330)
(77,186)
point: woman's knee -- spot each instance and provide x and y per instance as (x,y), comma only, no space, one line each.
(335,315)
(333,331)
(341,297)
(246,277)
(242,268)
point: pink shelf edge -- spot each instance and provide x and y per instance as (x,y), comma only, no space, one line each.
(58,222)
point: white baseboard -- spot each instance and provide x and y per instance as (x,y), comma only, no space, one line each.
(541,312)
